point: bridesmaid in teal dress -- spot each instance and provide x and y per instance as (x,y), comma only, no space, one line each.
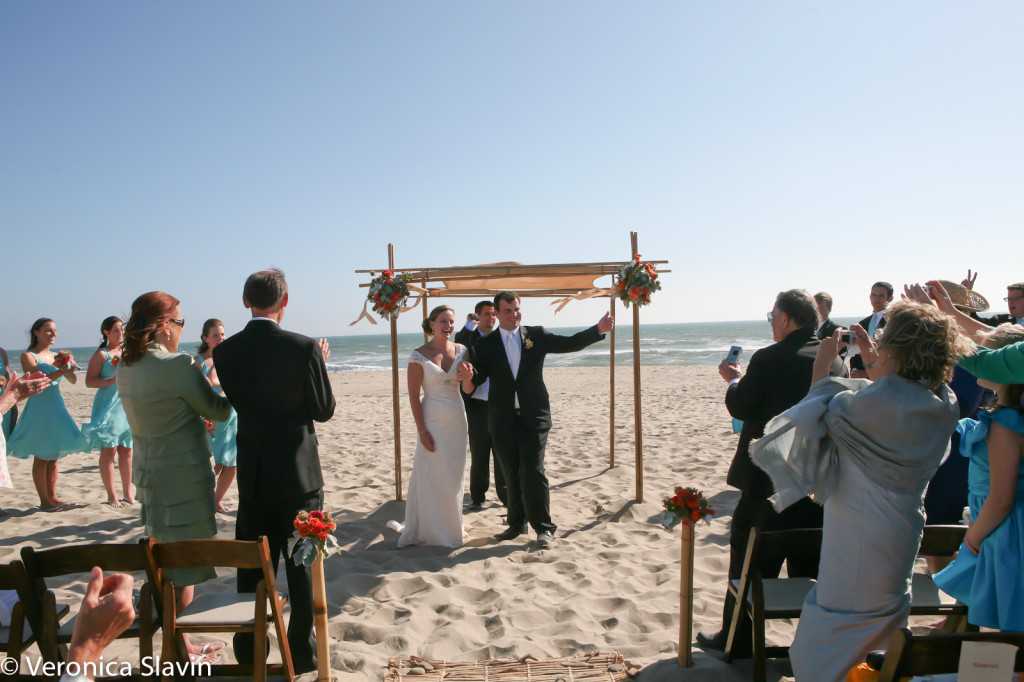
(166,399)
(225,451)
(45,430)
(5,376)
(108,429)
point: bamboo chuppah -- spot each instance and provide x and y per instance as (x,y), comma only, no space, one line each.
(563,282)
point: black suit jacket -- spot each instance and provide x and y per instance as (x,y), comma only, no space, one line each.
(777,378)
(995,320)
(857,362)
(277,382)
(828,328)
(490,361)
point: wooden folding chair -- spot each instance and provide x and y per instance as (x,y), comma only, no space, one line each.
(19,635)
(926,599)
(73,559)
(763,599)
(224,612)
(910,655)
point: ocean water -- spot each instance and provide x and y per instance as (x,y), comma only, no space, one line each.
(689,343)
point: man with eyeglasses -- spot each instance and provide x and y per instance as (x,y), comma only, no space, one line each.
(777,378)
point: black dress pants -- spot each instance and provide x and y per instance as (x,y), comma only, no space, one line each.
(520,453)
(273,519)
(758,513)
(480,455)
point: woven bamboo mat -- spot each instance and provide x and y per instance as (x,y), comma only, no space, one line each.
(598,665)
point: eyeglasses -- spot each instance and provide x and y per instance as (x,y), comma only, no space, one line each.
(180,321)
(771,317)
(1013,298)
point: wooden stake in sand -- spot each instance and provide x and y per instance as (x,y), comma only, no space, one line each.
(323,652)
(686,598)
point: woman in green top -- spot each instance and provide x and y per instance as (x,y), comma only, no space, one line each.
(166,400)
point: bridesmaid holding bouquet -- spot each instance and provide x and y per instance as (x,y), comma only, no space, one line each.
(225,450)
(45,429)
(108,429)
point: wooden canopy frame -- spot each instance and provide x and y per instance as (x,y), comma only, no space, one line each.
(564,282)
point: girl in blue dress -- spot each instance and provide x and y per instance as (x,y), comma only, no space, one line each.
(988,572)
(225,450)
(45,430)
(108,429)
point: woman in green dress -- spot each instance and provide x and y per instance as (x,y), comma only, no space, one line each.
(166,400)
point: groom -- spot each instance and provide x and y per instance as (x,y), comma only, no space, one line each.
(277,382)
(519,414)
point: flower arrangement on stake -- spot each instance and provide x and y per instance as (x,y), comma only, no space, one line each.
(637,281)
(688,506)
(313,537)
(388,293)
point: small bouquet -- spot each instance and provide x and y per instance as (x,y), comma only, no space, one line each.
(63,358)
(211,427)
(637,281)
(313,537)
(388,294)
(687,506)
(114,360)
(3,382)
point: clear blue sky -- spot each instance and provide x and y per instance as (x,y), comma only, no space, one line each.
(758,146)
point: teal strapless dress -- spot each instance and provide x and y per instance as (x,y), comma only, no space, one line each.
(108,426)
(45,429)
(991,583)
(8,414)
(225,434)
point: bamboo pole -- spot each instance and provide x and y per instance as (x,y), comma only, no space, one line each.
(394,390)
(426,337)
(513,269)
(686,597)
(638,425)
(323,650)
(611,386)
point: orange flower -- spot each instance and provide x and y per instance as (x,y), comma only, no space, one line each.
(695,516)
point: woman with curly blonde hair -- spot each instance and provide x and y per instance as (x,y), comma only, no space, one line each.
(883,440)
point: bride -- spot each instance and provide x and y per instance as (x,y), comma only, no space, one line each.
(433,513)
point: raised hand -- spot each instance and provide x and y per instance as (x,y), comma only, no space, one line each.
(464,369)
(970,280)
(325,348)
(606,323)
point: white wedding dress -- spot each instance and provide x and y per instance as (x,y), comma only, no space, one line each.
(433,512)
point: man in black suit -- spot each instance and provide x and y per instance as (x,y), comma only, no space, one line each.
(777,378)
(881,297)
(519,413)
(1015,302)
(277,382)
(823,301)
(476,415)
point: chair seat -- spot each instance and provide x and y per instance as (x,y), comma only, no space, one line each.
(226,608)
(65,630)
(26,636)
(925,594)
(784,594)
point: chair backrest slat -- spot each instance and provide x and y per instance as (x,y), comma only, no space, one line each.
(56,561)
(910,655)
(199,553)
(942,540)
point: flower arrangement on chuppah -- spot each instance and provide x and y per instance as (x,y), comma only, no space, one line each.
(312,541)
(388,293)
(688,507)
(637,281)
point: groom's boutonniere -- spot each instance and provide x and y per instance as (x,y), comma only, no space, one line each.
(527,343)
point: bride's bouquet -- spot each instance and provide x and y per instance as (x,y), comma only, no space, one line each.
(313,537)
(637,281)
(63,358)
(388,293)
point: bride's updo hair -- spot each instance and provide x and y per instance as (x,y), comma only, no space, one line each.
(434,314)
(149,311)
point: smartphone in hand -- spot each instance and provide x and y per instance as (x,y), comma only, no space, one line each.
(734,355)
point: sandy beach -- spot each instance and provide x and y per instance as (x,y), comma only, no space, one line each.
(610,582)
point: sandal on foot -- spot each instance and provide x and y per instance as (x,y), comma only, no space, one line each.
(212,647)
(113,504)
